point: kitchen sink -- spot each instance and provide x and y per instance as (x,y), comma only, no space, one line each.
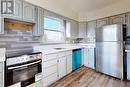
(59,48)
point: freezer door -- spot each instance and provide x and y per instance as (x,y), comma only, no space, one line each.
(109,33)
(109,58)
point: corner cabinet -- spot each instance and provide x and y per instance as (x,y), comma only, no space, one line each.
(91,27)
(102,22)
(82,29)
(17,10)
(118,19)
(29,12)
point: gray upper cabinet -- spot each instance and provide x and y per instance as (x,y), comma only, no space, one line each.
(128,23)
(17,10)
(82,29)
(73,31)
(118,19)
(1,22)
(39,26)
(102,22)
(91,26)
(29,12)
(1,25)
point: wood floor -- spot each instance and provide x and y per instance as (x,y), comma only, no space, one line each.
(85,77)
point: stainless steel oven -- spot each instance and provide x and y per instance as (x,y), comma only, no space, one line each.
(22,71)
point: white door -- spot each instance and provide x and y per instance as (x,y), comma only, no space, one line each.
(62,67)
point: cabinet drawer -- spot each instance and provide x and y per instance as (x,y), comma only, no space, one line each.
(49,63)
(1,67)
(61,54)
(50,57)
(69,53)
(50,70)
(49,80)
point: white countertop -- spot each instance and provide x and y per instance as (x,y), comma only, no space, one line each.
(48,49)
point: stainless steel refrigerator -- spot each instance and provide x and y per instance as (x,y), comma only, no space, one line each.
(109,50)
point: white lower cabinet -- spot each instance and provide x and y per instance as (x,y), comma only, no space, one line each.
(69,63)
(1,74)
(89,58)
(56,66)
(49,71)
(49,80)
(62,67)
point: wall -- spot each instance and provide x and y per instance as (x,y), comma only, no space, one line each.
(114,9)
(57,7)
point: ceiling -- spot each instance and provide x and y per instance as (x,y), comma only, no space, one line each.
(87,5)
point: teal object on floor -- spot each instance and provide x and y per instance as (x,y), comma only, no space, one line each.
(76,59)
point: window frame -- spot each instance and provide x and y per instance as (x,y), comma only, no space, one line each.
(62,30)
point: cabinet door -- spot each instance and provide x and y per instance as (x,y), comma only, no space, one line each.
(39,25)
(91,58)
(2,74)
(91,26)
(128,23)
(28,12)
(74,29)
(69,64)
(62,67)
(86,57)
(82,29)
(118,19)
(49,80)
(1,25)
(102,22)
(17,10)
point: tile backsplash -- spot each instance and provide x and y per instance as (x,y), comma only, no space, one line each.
(18,40)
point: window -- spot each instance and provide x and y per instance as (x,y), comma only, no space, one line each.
(54,30)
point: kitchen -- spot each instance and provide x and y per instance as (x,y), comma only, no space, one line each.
(48,44)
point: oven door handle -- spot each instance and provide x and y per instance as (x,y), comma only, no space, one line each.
(15,67)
